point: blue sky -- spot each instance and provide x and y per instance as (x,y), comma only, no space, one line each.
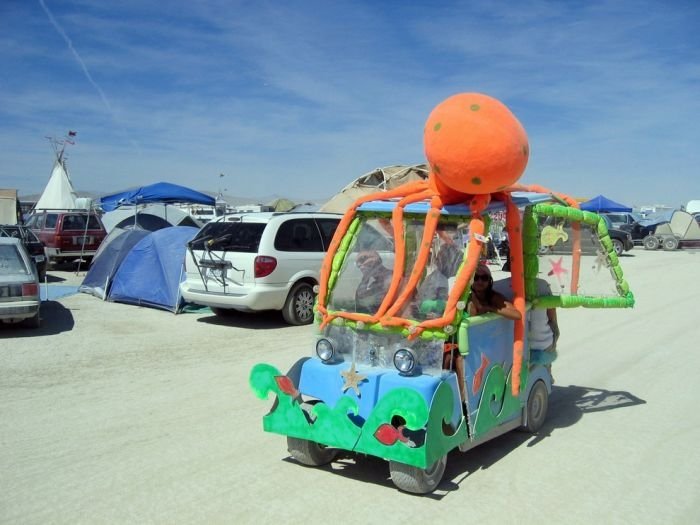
(298,98)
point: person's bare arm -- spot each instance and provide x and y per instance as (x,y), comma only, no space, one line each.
(504,308)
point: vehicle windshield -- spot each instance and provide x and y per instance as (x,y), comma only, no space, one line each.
(229,236)
(367,270)
(11,262)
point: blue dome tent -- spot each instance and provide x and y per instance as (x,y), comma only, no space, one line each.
(151,272)
(109,256)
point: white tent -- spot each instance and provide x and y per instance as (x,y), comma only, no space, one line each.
(59,193)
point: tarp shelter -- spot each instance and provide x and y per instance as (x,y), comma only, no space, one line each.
(380,179)
(112,251)
(158,192)
(149,217)
(151,272)
(58,193)
(602,203)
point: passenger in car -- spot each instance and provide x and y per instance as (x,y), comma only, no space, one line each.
(484,299)
(543,331)
(374,284)
(432,293)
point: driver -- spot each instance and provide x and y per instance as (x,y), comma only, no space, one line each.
(374,284)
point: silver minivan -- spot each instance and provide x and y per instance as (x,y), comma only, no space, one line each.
(259,261)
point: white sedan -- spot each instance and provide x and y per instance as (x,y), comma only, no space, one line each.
(19,284)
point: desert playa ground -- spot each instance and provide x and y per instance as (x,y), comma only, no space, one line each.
(118,414)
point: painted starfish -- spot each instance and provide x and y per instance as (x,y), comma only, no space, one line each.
(352,379)
(557,270)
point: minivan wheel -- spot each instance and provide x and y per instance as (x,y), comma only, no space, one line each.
(299,307)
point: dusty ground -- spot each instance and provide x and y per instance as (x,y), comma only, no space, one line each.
(117,414)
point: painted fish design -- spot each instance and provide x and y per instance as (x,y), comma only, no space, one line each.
(479,374)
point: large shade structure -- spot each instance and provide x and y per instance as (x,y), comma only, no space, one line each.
(163,192)
(602,203)
(380,179)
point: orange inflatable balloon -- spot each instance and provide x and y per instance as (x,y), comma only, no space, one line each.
(474,144)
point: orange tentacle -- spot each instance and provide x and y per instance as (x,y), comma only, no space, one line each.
(431,221)
(341,230)
(400,250)
(518,283)
(476,230)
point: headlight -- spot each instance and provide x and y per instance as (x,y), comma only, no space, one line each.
(404,361)
(325,349)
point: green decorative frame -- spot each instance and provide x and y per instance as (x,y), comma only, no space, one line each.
(531,259)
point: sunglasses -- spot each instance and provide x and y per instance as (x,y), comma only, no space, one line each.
(482,277)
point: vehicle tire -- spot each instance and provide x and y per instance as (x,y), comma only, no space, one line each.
(299,307)
(537,403)
(32,322)
(618,246)
(417,480)
(670,243)
(310,453)
(223,312)
(650,242)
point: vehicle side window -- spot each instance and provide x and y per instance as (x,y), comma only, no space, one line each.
(93,223)
(49,222)
(327,228)
(30,223)
(298,235)
(73,222)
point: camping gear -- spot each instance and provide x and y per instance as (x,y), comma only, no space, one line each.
(681,231)
(151,272)
(158,192)
(151,217)
(380,179)
(109,256)
(601,204)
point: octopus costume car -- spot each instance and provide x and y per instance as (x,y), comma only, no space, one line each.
(376,382)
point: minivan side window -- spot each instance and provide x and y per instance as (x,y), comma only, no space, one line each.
(327,227)
(298,235)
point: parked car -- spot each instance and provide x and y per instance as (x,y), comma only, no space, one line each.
(19,284)
(560,237)
(623,241)
(68,235)
(630,222)
(259,261)
(31,242)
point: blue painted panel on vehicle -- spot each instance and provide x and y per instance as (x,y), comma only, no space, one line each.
(324,382)
(490,343)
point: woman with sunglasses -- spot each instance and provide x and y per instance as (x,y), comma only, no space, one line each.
(484,299)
